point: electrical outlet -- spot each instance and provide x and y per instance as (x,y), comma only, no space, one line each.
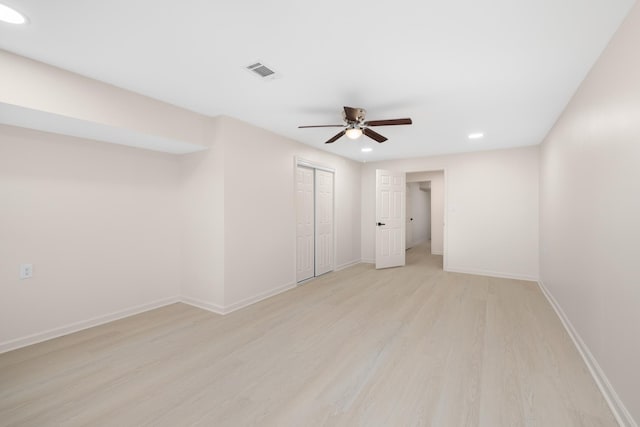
(26,271)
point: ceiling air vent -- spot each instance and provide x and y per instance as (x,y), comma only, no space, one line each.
(262,71)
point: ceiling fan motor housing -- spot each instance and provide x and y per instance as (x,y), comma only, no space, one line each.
(360,115)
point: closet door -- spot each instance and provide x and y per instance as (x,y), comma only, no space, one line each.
(324,222)
(304,223)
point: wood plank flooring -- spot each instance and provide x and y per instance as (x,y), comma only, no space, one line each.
(409,346)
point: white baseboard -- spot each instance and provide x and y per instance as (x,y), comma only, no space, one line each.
(218,309)
(616,405)
(437,253)
(368,261)
(205,305)
(347,265)
(99,320)
(84,324)
(481,272)
(259,297)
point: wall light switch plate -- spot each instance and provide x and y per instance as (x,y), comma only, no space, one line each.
(26,271)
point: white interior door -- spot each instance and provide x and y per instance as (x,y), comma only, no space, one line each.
(409,219)
(390,218)
(304,224)
(324,222)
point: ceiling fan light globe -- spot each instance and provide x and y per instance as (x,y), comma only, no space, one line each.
(354,133)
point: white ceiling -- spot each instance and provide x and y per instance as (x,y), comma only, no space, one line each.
(503,67)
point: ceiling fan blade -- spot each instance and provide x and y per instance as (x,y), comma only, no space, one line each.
(321,126)
(390,122)
(336,137)
(374,135)
(351,114)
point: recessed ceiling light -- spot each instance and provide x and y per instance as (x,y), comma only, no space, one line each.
(477,135)
(367,149)
(10,15)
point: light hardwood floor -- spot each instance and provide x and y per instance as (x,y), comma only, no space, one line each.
(360,347)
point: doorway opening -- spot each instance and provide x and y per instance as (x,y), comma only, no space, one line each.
(418,214)
(314,198)
(425,213)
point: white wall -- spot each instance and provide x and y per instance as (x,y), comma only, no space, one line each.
(41,87)
(202,183)
(99,223)
(111,229)
(102,223)
(436,180)
(238,202)
(259,209)
(492,209)
(589,210)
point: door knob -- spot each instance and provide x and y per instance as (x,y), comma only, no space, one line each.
(381,223)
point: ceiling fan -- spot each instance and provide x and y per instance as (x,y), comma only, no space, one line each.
(355,125)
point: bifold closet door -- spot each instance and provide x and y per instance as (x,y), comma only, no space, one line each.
(324,222)
(305,251)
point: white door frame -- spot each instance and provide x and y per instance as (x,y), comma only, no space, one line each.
(299,161)
(408,213)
